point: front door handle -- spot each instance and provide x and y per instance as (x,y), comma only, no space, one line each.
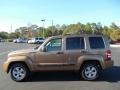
(60,53)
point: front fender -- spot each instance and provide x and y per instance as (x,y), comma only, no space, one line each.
(10,60)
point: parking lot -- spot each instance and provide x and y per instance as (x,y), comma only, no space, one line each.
(109,80)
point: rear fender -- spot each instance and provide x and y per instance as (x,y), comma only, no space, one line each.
(84,58)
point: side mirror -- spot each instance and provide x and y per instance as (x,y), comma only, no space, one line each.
(43,49)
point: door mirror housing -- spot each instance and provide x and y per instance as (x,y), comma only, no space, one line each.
(43,49)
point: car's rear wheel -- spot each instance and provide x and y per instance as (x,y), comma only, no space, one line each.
(90,72)
(19,72)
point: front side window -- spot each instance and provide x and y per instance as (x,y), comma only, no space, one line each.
(54,45)
(96,43)
(74,43)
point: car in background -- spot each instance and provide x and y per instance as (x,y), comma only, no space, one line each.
(36,40)
(0,39)
(20,40)
(30,41)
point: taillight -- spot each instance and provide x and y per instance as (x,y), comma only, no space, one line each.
(108,55)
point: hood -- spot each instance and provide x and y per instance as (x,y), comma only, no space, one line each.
(22,52)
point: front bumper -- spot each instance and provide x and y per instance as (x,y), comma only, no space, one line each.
(6,66)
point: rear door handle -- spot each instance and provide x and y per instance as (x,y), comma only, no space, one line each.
(60,53)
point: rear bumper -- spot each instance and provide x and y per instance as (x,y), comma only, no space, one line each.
(108,64)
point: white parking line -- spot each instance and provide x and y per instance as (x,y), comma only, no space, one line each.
(4,52)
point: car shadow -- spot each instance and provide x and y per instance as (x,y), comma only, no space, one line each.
(109,75)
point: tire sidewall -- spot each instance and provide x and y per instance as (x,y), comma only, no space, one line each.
(24,68)
(83,72)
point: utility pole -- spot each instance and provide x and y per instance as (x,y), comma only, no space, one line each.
(43,20)
(11,28)
(52,27)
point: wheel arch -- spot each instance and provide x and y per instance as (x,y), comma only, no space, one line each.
(93,61)
(16,62)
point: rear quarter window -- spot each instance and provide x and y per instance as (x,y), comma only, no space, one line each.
(96,43)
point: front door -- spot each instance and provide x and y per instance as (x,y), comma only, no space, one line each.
(53,58)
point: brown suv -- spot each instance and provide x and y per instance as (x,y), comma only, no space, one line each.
(87,54)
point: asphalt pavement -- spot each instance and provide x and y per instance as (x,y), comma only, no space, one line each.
(109,80)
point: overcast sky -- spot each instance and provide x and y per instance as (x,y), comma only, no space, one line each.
(23,12)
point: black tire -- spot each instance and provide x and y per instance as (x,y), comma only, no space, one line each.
(19,72)
(90,72)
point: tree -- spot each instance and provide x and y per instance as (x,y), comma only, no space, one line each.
(30,31)
(4,35)
(88,28)
(78,28)
(48,33)
(115,32)
(96,28)
(14,35)
(99,28)
(115,35)
(63,27)
(53,29)
(106,31)
(114,26)
(34,27)
(23,31)
(74,29)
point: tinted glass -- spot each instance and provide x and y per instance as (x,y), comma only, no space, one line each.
(96,43)
(75,43)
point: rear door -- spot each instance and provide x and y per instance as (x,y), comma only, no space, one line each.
(75,46)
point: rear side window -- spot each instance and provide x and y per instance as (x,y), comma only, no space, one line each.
(96,43)
(75,43)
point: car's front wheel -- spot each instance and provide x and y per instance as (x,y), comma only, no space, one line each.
(19,72)
(90,72)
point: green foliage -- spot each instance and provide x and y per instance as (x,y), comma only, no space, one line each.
(115,35)
(106,31)
(88,28)
(4,35)
(114,26)
(74,29)
(112,31)
(48,33)
(14,35)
